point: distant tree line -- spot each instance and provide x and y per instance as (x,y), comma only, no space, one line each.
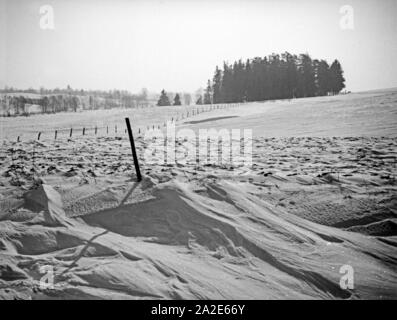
(109,94)
(17,102)
(18,105)
(284,76)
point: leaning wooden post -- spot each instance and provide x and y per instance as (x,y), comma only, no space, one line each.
(138,171)
(71,132)
(38,136)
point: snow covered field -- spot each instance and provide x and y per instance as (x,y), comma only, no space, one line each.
(356,114)
(352,115)
(320,195)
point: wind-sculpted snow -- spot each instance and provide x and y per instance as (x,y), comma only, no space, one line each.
(211,240)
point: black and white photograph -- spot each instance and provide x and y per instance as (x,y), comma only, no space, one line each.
(206,150)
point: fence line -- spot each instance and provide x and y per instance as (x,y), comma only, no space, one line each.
(194,111)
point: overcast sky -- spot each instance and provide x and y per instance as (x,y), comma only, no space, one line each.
(176,45)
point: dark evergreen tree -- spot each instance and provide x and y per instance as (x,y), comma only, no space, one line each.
(227,84)
(208,93)
(163,100)
(216,86)
(323,80)
(337,78)
(239,83)
(291,76)
(177,100)
(307,85)
(249,84)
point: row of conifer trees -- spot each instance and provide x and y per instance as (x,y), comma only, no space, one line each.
(284,76)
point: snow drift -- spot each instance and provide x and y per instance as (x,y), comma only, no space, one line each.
(199,241)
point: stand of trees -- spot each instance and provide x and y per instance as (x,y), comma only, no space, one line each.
(18,105)
(121,95)
(17,102)
(164,100)
(277,76)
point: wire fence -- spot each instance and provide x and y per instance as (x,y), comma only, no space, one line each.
(119,128)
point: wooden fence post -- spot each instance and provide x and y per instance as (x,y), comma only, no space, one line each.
(134,156)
